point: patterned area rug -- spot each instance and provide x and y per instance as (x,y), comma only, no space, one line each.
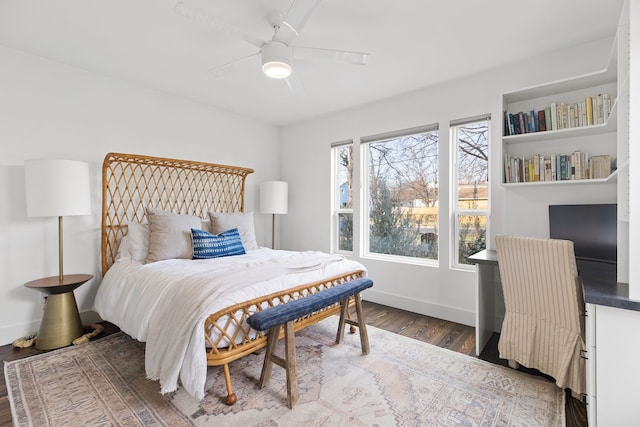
(402,382)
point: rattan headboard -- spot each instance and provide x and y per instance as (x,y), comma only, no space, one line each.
(131,182)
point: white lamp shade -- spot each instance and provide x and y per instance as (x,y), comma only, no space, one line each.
(57,188)
(274,198)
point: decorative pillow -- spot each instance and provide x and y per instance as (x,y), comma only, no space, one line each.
(170,235)
(207,245)
(124,248)
(243,221)
(138,240)
(135,244)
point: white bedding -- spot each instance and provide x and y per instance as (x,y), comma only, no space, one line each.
(165,303)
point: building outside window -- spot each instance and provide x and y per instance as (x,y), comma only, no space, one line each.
(401,194)
(470,142)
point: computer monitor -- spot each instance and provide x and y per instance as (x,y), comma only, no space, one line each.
(593,228)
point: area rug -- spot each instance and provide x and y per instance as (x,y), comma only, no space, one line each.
(402,382)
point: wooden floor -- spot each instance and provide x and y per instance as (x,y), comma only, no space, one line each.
(452,336)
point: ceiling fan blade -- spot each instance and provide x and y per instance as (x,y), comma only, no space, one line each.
(229,67)
(294,20)
(314,54)
(193,13)
(294,84)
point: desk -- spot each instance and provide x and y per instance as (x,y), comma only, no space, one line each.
(61,322)
(611,397)
(489,300)
(598,280)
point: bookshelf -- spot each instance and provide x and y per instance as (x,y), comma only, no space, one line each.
(598,139)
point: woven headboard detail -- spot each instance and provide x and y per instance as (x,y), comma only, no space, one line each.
(131,182)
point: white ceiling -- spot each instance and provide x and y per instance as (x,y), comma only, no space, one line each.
(413,44)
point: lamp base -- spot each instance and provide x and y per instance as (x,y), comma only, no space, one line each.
(61,323)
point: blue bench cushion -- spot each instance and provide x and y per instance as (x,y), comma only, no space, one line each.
(292,310)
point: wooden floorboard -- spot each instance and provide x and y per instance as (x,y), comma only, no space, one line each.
(449,335)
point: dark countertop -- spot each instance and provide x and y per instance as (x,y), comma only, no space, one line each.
(598,279)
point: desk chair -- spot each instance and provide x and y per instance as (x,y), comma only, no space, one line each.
(543,326)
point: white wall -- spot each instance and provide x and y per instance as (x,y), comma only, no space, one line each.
(440,292)
(48,110)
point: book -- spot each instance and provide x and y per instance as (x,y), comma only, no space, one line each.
(599,166)
(542,123)
(547,169)
(606,106)
(589,103)
(554,116)
(516,124)
(571,122)
(599,110)
(547,118)
(564,116)
(533,118)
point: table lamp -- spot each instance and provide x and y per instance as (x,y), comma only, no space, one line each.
(57,188)
(274,200)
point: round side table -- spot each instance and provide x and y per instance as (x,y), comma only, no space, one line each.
(61,322)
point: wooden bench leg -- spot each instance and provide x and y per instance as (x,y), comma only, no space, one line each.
(362,325)
(360,322)
(288,363)
(272,340)
(344,311)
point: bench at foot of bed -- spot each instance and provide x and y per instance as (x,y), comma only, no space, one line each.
(284,315)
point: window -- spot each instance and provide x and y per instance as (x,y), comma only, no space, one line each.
(401,191)
(470,139)
(343,196)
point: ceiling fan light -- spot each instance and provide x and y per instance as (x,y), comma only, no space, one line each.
(275,60)
(276,69)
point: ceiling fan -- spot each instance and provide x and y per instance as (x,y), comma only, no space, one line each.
(276,54)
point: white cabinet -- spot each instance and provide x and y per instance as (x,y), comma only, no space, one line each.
(617,371)
(590,341)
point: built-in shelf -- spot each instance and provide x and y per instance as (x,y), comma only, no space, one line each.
(611,125)
(611,179)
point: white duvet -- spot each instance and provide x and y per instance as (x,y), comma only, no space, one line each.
(165,303)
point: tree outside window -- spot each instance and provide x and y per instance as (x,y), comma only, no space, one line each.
(471,208)
(402,192)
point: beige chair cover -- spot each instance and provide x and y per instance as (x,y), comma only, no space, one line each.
(544,324)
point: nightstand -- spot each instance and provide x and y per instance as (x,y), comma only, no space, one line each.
(61,322)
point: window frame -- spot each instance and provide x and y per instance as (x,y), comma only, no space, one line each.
(456,211)
(365,204)
(336,209)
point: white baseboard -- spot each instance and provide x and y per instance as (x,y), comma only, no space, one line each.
(452,314)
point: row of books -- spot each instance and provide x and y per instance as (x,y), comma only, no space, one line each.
(556,167)
(593,110)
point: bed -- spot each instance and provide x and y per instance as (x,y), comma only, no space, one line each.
(165,303)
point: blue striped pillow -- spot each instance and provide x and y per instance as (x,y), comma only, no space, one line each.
(207,245)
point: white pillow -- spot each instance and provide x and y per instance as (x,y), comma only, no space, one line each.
(135,244)
(170,235)
(243,221)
